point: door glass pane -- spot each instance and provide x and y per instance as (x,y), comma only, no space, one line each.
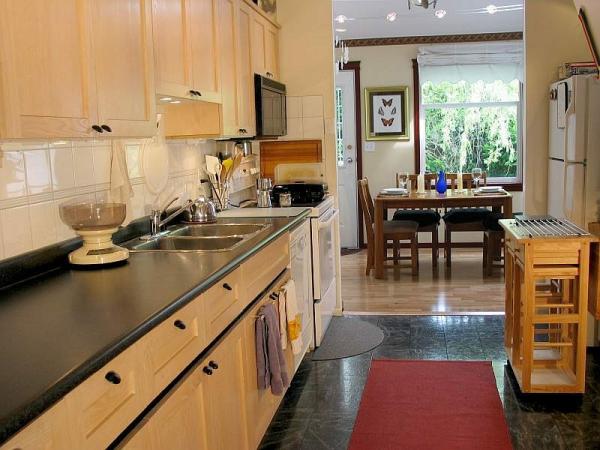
(339,125)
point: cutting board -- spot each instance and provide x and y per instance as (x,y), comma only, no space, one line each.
(273,153)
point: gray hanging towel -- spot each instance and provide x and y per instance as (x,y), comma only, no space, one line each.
(270,359)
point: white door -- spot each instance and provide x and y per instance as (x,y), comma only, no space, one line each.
(346,158)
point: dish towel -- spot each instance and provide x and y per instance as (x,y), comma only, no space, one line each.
(120,186)
(270,359)
(287,298)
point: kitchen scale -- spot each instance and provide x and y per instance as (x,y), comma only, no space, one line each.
(96,222)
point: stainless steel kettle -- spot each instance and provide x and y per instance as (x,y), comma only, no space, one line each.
(203,210)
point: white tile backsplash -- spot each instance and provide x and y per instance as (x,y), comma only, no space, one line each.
(38,173)
(36,177)
(84,166)
(312,106)
(102,157)
(43,224)
(294,128)
(312,127)
(294,107)
(16,231)
(12,175)
(63,168)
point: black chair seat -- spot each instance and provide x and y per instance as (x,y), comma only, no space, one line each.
(424,217)
(491,221)
(466,215)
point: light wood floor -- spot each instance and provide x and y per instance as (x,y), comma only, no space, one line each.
(463,290)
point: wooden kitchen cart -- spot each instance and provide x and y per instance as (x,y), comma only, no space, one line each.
(546,276)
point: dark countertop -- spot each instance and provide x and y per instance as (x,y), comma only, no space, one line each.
(60,327)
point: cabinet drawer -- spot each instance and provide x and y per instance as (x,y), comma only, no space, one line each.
(222,303)
(260,270)
(106,403)
(173,345)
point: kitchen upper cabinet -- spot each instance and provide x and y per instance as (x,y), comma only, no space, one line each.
(47,83)
(67,67)
(229,61)
(122,43)
(265,58)
(186,49)
(247,118)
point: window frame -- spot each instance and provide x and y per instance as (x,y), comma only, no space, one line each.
(509,183)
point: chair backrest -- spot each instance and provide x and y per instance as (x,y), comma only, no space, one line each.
(430,179)
(468,182)
(366,202)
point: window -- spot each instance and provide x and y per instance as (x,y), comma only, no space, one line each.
(339,125)
(471,124)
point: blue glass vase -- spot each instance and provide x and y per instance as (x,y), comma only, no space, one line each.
(441,185)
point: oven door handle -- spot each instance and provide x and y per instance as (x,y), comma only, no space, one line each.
(329,220)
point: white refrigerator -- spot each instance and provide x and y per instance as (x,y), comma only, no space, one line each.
(574,149)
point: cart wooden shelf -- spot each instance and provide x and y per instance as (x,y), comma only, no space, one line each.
(546,276)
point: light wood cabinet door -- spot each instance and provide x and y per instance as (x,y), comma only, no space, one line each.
(204,41)
(246,106)
(173,71)
(49,432)
(265,47)
(226,394)
(180,421)
(47,88)
(229,63)
(122,43)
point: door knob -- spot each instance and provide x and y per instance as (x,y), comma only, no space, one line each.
(349,160)
(349,146)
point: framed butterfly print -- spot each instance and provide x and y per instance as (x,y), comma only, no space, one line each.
(386,113)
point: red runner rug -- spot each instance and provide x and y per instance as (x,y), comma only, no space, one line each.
(430,405)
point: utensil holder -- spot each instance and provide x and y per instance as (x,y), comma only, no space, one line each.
(221,194)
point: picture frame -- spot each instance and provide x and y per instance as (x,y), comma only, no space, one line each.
(386,113)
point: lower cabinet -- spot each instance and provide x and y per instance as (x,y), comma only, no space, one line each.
(205,411)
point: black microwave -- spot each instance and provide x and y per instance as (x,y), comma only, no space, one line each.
(271,115)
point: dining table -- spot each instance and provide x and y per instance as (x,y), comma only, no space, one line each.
(468,198)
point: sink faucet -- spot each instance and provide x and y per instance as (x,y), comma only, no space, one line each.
(156,223)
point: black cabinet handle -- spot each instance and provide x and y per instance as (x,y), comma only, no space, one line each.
(226,286)
(192,92)
(207,370)
(97,128)
(113,377)
(269,74)
(213,364)
(179,324)
(273,296)
(198,93)
(107,128)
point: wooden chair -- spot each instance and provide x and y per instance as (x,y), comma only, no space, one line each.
(428,219)
(463,219)
(493,242)
(395,231)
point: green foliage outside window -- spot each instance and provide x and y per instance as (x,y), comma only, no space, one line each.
(472,125)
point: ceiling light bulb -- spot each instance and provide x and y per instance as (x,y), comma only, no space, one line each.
(391,16)
(491,9)
(341,30)
(341,18)
(166,99)
(175,102)
(440,13)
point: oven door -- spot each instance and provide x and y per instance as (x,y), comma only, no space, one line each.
(324,287)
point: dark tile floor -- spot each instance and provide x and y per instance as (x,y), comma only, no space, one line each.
(319,409)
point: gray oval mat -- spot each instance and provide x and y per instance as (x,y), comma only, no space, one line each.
(347,337)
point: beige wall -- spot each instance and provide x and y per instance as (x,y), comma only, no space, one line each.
(592,12)
(386,66)
(553,36)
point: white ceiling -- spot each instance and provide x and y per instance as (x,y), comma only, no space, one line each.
(462,17)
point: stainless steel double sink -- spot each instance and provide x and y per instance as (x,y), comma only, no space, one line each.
(217,237)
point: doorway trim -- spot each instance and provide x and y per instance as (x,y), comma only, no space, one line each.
(355,67)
